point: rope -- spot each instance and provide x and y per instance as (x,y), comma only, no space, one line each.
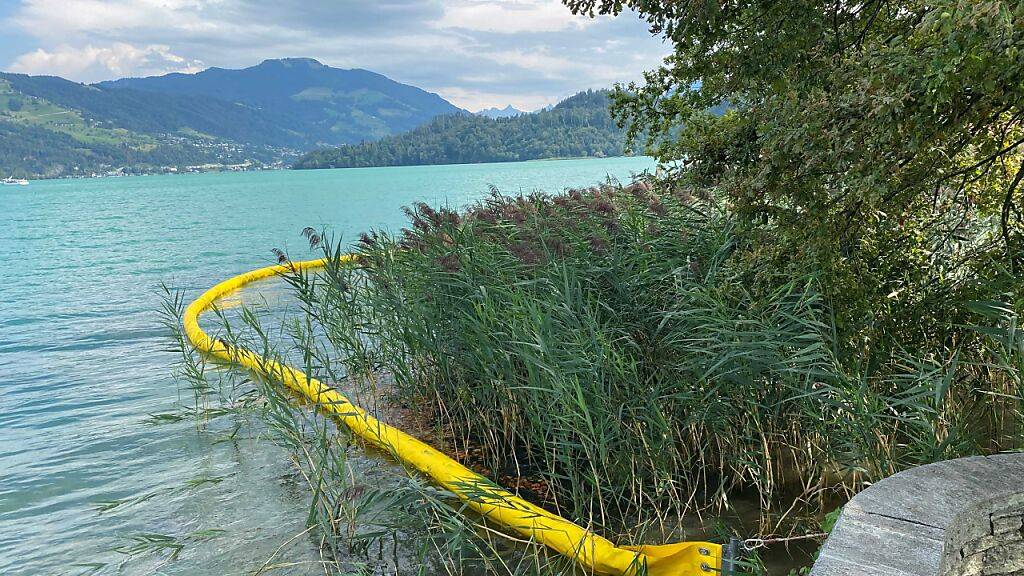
(751,544)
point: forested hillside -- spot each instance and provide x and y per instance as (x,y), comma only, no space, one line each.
(32,151)
(149,113)
(578,126)
(263,115)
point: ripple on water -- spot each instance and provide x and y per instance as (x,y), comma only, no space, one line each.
(82,360)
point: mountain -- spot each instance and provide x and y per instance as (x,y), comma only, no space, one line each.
(327,106)
(149,113)
(51,127)
(506,112)
(261,115)
(578,126)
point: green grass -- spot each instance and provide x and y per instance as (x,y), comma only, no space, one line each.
(44,114)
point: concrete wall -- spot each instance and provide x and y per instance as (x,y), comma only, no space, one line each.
(961,517)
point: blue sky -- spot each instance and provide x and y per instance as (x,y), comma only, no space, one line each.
(476,53)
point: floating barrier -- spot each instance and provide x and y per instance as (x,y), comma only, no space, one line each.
(593,552)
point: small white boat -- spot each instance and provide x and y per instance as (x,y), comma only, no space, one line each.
(15,182)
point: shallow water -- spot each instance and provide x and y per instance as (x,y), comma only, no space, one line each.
(84,360)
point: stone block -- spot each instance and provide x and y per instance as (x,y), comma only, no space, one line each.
(972,565)
(885,543)
(962,517)
(1007,524)
(979,545)
(1005,559)
(936,493)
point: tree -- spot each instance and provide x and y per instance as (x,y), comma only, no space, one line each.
(578,126)
(871,138)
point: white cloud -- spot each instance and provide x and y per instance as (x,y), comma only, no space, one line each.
(539,61)
(477,53)
(90,62)
(474,100)
(65,20)
(511,16)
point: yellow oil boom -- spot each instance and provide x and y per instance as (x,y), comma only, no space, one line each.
(591,551)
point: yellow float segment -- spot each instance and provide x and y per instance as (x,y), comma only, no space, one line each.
(590,550)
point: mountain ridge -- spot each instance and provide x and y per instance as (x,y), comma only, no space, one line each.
(267,115)
(495,112)
(332,105)
(261,115)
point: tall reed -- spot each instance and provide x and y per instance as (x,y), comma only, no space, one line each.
(616,343)
(623,350)
(361,518)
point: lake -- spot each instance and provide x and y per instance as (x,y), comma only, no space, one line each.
(84,359)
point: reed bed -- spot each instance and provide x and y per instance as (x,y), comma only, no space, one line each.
(362,518)
(624,350)
(621,344)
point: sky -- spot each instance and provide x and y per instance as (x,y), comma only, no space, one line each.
(474,53)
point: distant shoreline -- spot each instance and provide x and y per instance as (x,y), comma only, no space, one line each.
(282,169)
(548,159)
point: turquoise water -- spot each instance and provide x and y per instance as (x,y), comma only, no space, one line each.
(84,359)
